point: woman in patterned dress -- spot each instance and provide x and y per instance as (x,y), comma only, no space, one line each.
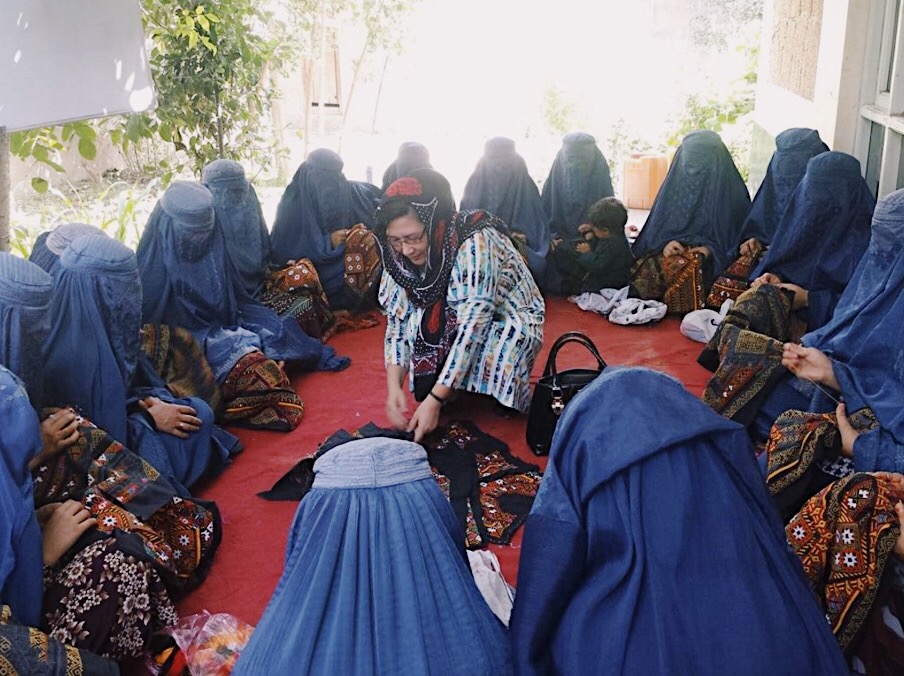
(463,311)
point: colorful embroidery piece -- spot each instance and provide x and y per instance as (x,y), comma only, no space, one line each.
(675,280)
(843,537)
(258,394)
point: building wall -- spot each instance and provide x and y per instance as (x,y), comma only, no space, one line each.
(812,58)
(795,45)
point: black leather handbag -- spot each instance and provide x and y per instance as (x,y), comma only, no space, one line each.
(555,389)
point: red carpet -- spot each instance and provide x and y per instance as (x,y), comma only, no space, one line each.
(250,558)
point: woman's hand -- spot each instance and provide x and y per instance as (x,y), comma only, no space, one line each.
(337,237)
(895,483)
(749,246)
(582,247)
(705,250)
(846,430)
(58,432)
(63,525)
(810,364)
(175,419)
(397,408)
(586,231)
(765,278)
(425,419)
(801,295)
(673,248)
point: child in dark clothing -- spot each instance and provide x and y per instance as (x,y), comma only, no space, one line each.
(602,259)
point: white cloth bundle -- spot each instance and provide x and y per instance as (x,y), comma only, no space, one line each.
(634,311)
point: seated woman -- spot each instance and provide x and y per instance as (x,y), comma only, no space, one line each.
(24,649)
(412,155)
(462,310)
(93,362)
(627,559)
(814,253)
(579,178)
(326,218)
(602,258)
(144,540)
(49,246)
(693,230)
(793,149)
(502,186)
(248,243)
(376,580)
(821,237)
(187,281)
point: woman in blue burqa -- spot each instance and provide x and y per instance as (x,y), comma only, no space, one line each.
(655,549)
(112,524)
(49,246)
(579,177)
(502,185)
(376,580)
(24,649)
(857,357)
(823,235)
(248,243)
(412,156)
(794,148)
(326,218)
(694,229)
(188,280)
(94,363)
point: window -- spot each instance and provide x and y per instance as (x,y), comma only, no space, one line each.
(882,113)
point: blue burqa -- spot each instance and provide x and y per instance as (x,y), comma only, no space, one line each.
(94,361)
(188,281)
(319,201)
(242,221)
(702,202)
(863,339)
(49,246)
(25,291)
(502,185)
(793,149)
(579,177)
(653,547)
(412,156)
(823,233)
(21,555)
(375,578)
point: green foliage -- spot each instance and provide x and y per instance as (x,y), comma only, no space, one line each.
(45,145)
(723,110)
(558,111)
(209,69)
(120,209)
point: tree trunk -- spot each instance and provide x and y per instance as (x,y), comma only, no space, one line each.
(355,73)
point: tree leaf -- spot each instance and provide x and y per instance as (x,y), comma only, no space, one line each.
(86,148)
(39,184)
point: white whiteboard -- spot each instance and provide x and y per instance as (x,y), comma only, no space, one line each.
(66,60)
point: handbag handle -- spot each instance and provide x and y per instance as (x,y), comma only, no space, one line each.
(562,341)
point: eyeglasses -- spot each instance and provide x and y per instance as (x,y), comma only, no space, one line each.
(397,242)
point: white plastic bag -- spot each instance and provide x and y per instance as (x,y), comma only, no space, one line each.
(488,577)
(701,325)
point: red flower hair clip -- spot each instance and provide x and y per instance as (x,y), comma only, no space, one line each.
(406,187)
